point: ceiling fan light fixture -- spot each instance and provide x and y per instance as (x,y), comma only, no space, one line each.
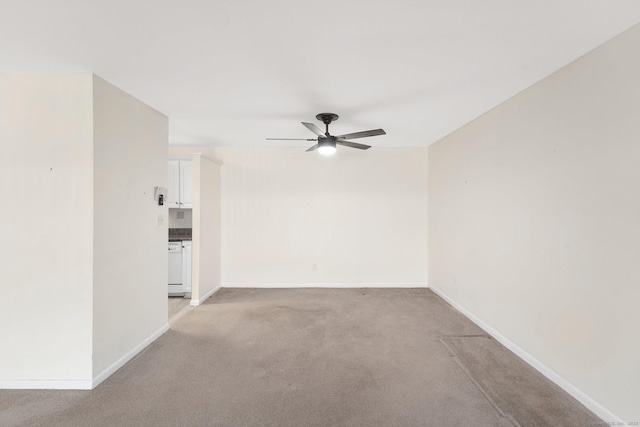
(327,150)
(327,146)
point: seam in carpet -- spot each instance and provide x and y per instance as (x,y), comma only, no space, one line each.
(499,411)
(465,336)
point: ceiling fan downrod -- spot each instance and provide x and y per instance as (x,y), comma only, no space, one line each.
(327,118)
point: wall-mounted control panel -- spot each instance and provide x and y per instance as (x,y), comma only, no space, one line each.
(159,195)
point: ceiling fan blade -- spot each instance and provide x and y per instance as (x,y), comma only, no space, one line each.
(312,148)
(353,145)
(313,128)
(291,139)
(362,134)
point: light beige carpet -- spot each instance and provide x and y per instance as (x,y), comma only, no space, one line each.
(177,304)
(312,357)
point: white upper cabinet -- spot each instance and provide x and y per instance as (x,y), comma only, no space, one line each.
(173,190)
(186,184)
(180,190)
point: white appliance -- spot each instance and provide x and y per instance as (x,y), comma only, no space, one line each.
(175,268)
(180,268)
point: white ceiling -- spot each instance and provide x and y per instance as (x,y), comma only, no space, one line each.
(235,72)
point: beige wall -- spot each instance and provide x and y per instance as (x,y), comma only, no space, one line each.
(84,264)
(47,250)
(130,247)
(185,222)
(534,223)
(186,153)
(207,228)
(359,216)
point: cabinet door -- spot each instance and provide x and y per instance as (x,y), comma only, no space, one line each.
(173,190)
(186,184)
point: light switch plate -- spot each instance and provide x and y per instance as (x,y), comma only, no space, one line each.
(160,219)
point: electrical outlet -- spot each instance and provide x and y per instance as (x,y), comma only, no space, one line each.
(314,267)
(160,219)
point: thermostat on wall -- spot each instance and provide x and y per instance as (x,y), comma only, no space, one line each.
(159,194)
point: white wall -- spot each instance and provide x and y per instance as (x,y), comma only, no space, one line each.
(359,216)
(47,245)
(206,272)
(185,222)
(130,248)
(84,264)
(534,223)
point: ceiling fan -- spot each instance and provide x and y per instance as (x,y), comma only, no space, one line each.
(326,142)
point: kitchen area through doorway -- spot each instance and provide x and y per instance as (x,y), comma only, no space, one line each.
(180,204)
(194,229)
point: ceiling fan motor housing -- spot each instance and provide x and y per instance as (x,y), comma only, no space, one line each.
(327,141)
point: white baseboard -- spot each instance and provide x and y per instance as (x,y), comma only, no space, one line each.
(127,357)
(579,395)
(46,385)
(195,303)
(323,285)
